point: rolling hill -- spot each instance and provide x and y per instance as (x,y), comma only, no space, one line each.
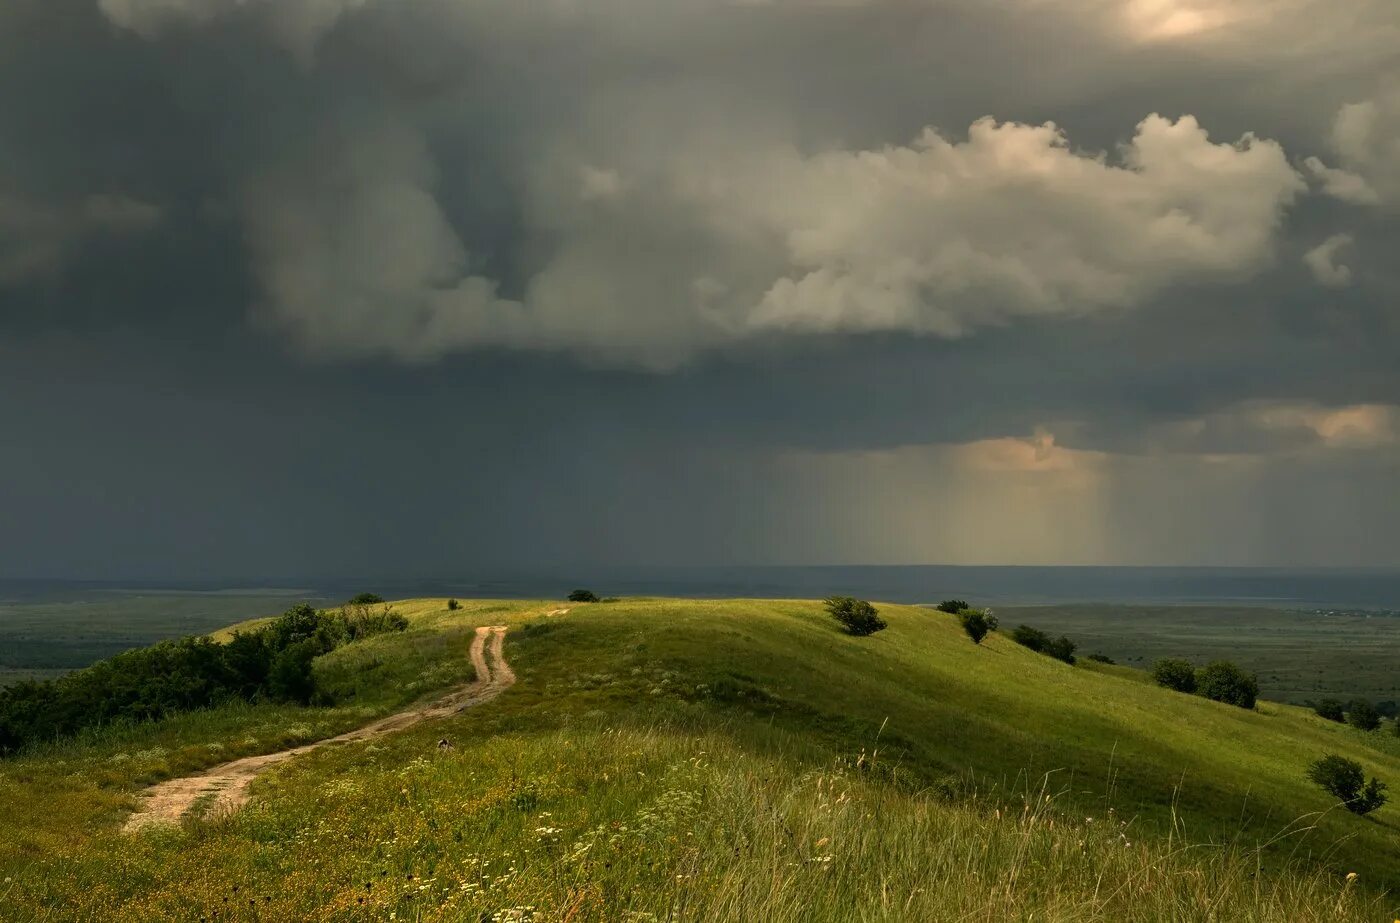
(710,760)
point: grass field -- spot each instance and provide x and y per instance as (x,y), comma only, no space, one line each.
(718,760)
(1299,656)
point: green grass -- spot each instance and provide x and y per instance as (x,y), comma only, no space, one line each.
(718,760)
(1299,656)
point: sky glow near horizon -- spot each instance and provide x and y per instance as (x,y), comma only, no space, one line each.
(317,286)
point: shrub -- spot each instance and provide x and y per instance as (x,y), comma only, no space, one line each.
(1101,658)
(583,596)
(1343,779)
(1330,709)
(953,606)
(1175,674)
(856,615)
(365,599)
(1060,648)
(1222,681)
(1363,716)
(453,605)
(974,622)
(187,674)
(291,679)
(1033,638)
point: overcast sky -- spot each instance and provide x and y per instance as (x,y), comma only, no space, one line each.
(431,287)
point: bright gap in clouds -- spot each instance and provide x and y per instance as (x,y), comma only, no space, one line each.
(1169,20)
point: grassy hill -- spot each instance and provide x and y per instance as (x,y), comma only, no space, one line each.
(716,760)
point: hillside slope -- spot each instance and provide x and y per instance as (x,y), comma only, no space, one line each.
(715,760)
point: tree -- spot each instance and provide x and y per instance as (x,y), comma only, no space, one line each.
(1222,681)
(366,599)
(857,616)
(291,679)
(1062,648)
(1033,638)
(1343,779)
(975,623)
(583,596)
(1330,709)
(1173,673)
(453,605)
(1362,715)
(953,606)
(1101,658)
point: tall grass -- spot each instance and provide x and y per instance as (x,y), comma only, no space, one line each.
(657,823)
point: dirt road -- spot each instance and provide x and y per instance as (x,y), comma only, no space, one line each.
(226,786)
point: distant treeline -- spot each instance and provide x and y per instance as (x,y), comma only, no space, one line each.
(270,663)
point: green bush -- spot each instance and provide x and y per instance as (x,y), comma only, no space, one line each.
(953,606)
(1060,648)
(1175,674)
(857,616)
(975,623)
(187,674)
(1033,638)
(365,599)
(290,679)
(1362,715)
(1330,709)
(453,605)
(1342,778)
(1222,681)
(1101,658)
(583,596)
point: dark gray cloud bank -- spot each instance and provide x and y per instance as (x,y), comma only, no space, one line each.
(434,286)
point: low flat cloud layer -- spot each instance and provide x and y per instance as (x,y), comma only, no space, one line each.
(1041,250)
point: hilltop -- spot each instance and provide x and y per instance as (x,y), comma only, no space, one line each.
(728,760)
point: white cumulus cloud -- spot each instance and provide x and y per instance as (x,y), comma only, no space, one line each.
(1322,260)
(666,256)
(1366,140)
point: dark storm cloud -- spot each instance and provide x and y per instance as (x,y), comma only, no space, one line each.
(487,271)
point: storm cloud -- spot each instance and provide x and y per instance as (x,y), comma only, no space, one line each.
(776,269)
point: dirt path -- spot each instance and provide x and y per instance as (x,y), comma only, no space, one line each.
(226,786)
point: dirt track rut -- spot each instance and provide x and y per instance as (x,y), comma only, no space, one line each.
(226,786)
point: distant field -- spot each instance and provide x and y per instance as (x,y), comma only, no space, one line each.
(1298,655)
(39,640)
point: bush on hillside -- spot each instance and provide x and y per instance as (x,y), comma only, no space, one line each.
(290,679)
(1060,648)
(365,599)
(453,605)
(1033,638)
(1330,709)
(1343,778)
(187,674)
(976,624)
(1101,658)
(1222,681)
(857,616)
(1362,715)
(1175,674)
(953,606)
(583,596)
